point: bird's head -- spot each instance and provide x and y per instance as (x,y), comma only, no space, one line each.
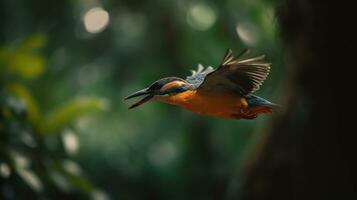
(160,89)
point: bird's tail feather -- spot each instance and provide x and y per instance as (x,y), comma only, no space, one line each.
(256,101)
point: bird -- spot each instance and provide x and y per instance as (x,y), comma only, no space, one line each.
(225,92)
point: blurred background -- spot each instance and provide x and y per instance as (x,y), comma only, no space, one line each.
(65,66)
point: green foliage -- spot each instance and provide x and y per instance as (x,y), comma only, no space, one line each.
(72,110)
(33,154)
(24,95)
(24,60)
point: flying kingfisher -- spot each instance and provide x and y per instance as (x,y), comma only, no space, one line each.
(225,92)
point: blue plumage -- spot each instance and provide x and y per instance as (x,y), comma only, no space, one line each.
(258,101)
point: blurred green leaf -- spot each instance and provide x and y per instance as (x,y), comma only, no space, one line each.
(27,65)
(24,61)
(25,95)
(72,110)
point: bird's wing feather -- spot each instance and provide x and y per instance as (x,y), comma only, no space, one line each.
(239,74)
(197,77)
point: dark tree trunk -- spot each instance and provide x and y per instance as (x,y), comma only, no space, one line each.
(310,152)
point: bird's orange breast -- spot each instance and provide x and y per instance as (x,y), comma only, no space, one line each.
(206,103)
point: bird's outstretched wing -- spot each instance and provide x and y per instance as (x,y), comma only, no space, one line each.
(241,74)
(197,77)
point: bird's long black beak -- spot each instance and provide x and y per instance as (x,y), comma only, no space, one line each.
(142,92)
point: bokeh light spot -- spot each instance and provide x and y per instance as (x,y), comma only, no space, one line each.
(5,170)
(248,33)
(201,16)
(99,195)
(70,141)
(96,20)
